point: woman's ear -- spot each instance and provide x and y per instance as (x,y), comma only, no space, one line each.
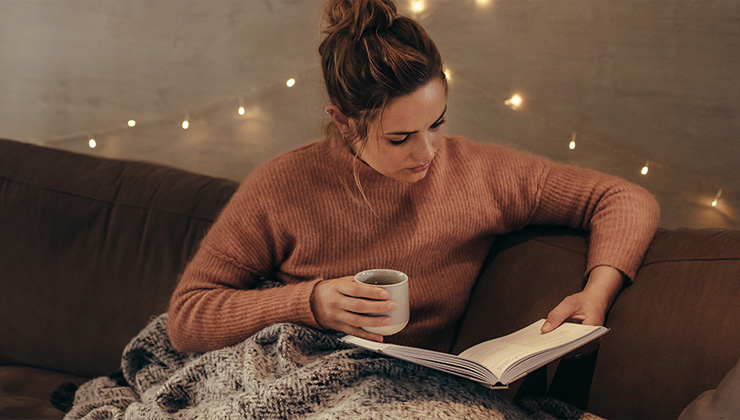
(343,123)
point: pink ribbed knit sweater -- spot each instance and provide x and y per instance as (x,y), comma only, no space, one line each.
(300,219)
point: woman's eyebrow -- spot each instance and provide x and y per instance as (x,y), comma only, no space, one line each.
(406,133)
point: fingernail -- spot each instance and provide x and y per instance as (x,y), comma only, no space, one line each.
(384,294)
(546,327)
(387,321)
(392,306)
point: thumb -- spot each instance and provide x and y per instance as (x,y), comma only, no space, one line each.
(556,317)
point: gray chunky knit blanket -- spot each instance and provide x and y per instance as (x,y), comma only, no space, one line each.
(284,372)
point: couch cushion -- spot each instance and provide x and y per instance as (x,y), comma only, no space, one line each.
(25,393)
(526,274)
(673,331)
(90,249)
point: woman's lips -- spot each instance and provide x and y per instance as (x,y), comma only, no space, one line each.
(420,168)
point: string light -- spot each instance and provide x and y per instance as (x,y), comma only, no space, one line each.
(515,102)
(716,198)
(417,6)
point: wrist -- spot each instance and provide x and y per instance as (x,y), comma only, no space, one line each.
(604,284)
(315,305)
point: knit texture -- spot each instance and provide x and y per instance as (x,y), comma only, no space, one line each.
(287,371)
(300,219)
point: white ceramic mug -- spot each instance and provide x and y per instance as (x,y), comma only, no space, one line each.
(397,285)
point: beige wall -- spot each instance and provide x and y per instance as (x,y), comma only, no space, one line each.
(640,81)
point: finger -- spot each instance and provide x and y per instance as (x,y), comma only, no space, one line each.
(595,319)
(365,306)
(557,316)
(358,320)
(358,332)
(354,289)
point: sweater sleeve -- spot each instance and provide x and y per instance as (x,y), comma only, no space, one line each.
(621,217)
(216,302)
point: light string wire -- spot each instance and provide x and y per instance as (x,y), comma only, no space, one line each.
(573,139)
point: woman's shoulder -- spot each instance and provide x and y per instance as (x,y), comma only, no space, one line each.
(289,177)
(462,149)
(464,145)
(293,165)
(268,186)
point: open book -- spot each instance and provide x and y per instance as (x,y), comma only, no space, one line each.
(500,361)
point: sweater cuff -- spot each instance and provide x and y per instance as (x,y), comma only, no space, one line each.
(628,269)
(301,303)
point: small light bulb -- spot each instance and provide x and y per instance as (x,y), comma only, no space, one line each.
(417,6)
(185,124)
(290,82)
(572,145)
(644,169)
(514,102)
(131,123)
(92,143)
(716,198)
(448,75)
(241,110)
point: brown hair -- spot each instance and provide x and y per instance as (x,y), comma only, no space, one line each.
(370,56)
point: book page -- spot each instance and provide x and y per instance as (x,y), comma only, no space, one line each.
(436,360)
(496,361)
(367,344)
(498,354)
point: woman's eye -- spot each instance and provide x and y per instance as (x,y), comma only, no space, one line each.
(434,126)
(438,124)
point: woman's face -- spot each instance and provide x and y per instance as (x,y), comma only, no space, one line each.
(401,145)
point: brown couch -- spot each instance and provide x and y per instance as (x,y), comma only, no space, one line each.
(91,248)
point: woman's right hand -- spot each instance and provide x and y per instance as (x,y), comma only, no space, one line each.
(340,305)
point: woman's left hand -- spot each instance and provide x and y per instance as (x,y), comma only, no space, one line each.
(589,306)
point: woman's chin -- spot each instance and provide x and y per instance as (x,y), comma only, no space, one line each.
(412,177)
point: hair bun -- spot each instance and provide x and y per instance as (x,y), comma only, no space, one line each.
(357,17)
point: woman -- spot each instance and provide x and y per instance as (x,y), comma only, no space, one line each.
(387,189)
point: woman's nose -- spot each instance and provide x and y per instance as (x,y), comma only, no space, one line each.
(426,149)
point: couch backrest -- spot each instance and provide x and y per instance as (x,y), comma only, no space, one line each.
(90,249)
(674,331)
